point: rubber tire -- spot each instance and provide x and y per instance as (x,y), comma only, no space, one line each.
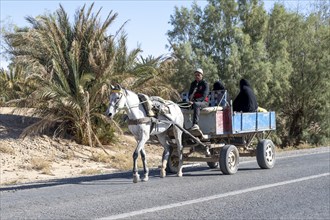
(266,154)
(212,165)
(172,163)
(225,164)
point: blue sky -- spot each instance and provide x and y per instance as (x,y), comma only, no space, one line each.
(147,25)
(148,19)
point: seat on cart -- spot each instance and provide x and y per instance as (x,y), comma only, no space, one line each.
(217,98)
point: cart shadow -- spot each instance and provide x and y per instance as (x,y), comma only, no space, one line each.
(200,171)
(248,169)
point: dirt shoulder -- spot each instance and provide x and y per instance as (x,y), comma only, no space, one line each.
(44,158)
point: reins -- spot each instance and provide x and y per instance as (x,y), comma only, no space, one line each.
(184,105)
(143,120)
(141,102)
(126,103)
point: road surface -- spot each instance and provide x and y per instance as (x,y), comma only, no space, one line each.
(298,187)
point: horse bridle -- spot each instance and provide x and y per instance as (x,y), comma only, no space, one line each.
(122,94)
(119,98)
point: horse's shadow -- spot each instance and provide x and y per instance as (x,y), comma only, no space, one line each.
(106,179)
(118,178)
(113,178)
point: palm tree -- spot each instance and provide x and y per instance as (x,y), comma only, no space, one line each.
(72,64)
(152,76)
(15,87)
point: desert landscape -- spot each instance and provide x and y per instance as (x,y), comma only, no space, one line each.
(40,158)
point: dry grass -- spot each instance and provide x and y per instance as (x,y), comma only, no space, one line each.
(12,182)
(123,162)
(42,165)
(47,172)
(91,172)
(6,149)
(25,167)
(101,157)
(121,154)
(69,155)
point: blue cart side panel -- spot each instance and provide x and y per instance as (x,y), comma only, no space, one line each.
(253,121)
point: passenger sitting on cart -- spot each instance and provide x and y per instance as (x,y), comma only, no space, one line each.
(220,93)
(198,96)
(246,100)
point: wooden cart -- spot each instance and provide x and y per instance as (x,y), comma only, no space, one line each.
(224,136)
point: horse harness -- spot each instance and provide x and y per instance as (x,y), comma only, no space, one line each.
(154,107)
(144,120)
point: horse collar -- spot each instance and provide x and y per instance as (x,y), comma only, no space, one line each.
(144,120)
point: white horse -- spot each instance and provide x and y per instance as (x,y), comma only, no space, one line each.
(141,127)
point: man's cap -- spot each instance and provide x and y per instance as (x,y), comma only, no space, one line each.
(199,70)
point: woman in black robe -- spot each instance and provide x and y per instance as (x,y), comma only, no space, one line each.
(246,100)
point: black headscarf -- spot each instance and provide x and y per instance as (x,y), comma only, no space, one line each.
(218,85)
(246,100)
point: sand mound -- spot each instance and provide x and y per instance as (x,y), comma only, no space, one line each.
(43,158)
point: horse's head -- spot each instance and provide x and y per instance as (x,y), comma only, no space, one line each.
(117,100)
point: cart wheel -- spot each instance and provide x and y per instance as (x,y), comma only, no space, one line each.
(229,159)
(213,165)
(172,163)
(266,154)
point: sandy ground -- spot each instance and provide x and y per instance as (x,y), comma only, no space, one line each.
(43,158)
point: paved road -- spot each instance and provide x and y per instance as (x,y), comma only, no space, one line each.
(298,187)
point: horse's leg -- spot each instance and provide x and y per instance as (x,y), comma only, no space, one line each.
(140,146)
(145,167)
(178,140)
(166,153)
(136,176)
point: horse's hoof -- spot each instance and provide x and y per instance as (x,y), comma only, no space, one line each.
(162,174)
(179,174)
(136,178)
(145,179)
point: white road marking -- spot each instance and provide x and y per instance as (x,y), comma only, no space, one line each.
(251,159)
(208,198)
(302,154)
(279,157)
